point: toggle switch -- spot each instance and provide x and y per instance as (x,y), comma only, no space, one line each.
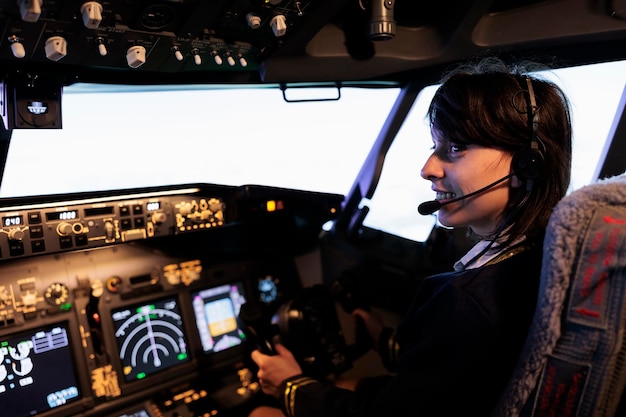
(177,54)
(217,58)
(102,48)
(17,47)
(197,59)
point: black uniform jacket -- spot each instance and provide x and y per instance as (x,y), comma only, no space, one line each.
(458,345)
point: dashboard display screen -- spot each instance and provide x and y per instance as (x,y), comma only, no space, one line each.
(36,371)
(217,316)
(150,338)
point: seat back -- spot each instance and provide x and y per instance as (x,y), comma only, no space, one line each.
(574,359)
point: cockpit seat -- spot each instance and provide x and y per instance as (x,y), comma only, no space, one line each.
(574,360)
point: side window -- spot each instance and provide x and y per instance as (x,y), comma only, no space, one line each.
(594,92)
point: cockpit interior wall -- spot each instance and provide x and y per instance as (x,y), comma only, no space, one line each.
(127,303)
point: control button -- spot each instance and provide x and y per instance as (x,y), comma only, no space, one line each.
(36,232)
(34,217)
(16,248)
(38,246)
(140,222)
(81,240)
(126,224)
(124,211)
(137,209)
(65,242)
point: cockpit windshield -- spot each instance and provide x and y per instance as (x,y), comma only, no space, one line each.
(126,137)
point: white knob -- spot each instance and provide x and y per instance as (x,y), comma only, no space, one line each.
(279,27)
(56,48)
(64,229)
(218,59)
(230,60)
(159,217)
(92,14)
(17,48)
(30,10)
(16,234)
(197,59)
(253,20)
(136,56)
(243,62)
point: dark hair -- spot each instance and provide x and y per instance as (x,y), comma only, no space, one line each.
(485,104)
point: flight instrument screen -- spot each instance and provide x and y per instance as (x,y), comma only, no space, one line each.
(36,371)
(150,338)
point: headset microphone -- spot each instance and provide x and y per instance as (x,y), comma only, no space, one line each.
(429,207)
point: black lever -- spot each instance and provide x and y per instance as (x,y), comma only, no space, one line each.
(346,293)
(258,328)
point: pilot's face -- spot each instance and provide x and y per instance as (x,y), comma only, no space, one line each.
(456,170)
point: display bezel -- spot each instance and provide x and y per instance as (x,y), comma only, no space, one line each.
(56,369)
(177,339)
(214,298)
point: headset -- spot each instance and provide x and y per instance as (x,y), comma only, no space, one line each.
(529,163)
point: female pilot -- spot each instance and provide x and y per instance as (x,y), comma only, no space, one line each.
(500,162)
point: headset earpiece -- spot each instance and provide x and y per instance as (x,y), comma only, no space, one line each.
(529,163)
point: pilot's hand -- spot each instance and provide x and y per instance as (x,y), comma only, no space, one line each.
(274,369)
(372,322)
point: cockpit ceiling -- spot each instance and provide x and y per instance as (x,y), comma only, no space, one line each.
(271,41)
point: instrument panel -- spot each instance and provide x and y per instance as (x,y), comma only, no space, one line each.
(131,306)
(32,229)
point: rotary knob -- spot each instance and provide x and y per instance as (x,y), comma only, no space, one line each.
(56,293)
(64,229)
(16,234)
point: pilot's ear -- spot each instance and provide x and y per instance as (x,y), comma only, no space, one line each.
(516,182)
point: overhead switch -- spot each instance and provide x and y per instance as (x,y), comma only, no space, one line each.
(17,47)
(92,14)
(278,24)
(102,48)
(56,48)
(30,10)
(136,56)
(254,21)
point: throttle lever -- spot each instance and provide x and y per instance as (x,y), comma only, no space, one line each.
(257,328)
(346,293)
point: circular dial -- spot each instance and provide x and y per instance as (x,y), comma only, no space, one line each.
(268,291)
(56,293)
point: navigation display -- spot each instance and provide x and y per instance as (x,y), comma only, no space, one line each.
(150,338)
(217,311)
(36,371)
